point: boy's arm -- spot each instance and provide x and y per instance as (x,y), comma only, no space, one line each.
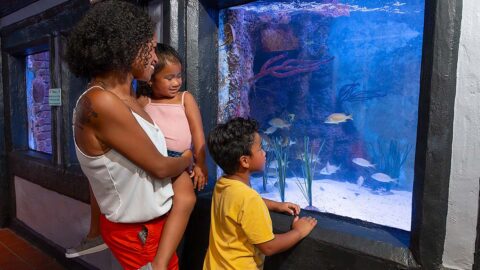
(300,228)
(271,205)
(282,207)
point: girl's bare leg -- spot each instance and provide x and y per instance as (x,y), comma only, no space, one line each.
(183,203)
(94,216)
(91,243)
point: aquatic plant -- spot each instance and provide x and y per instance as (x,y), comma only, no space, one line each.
(269,158)
(351,93)
(281,154)
(308,168)
(390,156)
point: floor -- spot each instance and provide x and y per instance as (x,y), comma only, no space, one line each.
(18,254)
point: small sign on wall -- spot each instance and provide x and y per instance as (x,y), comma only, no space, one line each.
(55,97)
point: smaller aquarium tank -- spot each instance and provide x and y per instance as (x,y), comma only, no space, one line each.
(335,87)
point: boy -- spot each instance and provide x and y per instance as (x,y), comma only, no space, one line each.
(241,229)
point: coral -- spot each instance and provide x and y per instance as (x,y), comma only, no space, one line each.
(350,93)
(275,38)
(288,68)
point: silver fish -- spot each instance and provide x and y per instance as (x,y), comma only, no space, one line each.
(329,169)
(278,123)
(270,130)
(384,178)
(360,181)
(337,118)
(363,162)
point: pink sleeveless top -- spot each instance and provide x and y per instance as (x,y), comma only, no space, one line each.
(172,121)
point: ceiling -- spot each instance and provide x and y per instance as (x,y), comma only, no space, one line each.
(10,6)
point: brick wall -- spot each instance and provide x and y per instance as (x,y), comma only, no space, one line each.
(39,111)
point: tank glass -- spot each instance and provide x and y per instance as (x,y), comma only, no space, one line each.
(335,88)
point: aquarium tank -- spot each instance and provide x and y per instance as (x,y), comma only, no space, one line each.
(335,88)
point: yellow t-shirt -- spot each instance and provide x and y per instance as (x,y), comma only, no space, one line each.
(239,220)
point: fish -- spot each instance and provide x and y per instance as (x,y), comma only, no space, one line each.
(273,164)
(363,162)
(337,118)
(291,117)
(301,156)
(329,169)
(229,33)
(278,123)
(360,181)
(288,142)
(384,178)
(270,130)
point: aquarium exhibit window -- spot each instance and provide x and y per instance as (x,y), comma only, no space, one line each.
(335,87)
(38,110)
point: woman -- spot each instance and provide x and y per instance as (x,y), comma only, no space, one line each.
(120,149)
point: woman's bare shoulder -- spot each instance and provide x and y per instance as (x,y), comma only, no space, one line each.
(98,103)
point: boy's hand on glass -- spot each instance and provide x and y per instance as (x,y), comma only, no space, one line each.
(303,225)
(199,178)
(289,208)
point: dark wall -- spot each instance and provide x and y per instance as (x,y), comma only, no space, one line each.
(58,172)
(435,130)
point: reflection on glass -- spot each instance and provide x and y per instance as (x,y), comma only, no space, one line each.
(38,111)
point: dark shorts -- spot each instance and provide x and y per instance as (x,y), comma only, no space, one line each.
(174,153)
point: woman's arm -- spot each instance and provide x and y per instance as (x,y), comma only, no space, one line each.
(104,122)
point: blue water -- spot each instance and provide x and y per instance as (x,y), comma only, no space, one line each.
(334,85)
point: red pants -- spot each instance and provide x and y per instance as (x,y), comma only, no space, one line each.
(123,241)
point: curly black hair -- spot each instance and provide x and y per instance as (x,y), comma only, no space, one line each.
(165,53)
(109,37)
(228,142)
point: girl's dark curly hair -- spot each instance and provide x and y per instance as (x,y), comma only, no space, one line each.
(165,53)
(109,37)
(228,142)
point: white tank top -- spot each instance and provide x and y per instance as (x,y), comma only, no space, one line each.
(125,192)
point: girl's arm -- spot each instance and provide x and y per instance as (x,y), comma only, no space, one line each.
(198,137)
(143,101)
(104,122)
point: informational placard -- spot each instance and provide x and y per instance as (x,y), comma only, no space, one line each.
(55,97)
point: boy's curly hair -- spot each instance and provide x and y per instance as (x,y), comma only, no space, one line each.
(109,37)
(228,142)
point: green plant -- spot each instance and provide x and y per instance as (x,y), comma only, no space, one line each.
(308,169)
(268,161)
(390,156)
(281,155)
